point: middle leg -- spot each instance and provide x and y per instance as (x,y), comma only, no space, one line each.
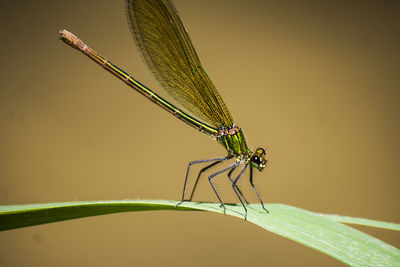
(233,166)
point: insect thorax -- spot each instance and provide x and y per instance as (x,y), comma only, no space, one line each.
(233,140)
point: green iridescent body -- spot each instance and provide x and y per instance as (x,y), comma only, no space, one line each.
(168,52)
(234,143)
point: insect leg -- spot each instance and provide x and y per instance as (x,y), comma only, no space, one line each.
(255,190)
(237,187)
(233,166)
(234,188)
(200,172)
(187,174)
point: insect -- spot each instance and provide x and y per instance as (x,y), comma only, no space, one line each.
(167,50)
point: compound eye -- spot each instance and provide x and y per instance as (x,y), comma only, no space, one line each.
(256,159)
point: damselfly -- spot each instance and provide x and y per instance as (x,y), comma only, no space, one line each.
(167,50)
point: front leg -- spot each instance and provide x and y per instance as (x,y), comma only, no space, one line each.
(255,190)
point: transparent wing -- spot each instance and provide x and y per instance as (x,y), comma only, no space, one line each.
(169,53)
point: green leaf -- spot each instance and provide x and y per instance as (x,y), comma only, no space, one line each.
(362,221)
(321,232)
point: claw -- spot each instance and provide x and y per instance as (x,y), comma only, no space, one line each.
(178,204)
(262,204)
(224,209)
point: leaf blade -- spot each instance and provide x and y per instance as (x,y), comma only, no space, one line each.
(362,221)
(317,231)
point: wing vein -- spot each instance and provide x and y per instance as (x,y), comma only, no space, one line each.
(168,52)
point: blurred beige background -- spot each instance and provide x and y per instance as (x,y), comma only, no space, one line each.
(315,82)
